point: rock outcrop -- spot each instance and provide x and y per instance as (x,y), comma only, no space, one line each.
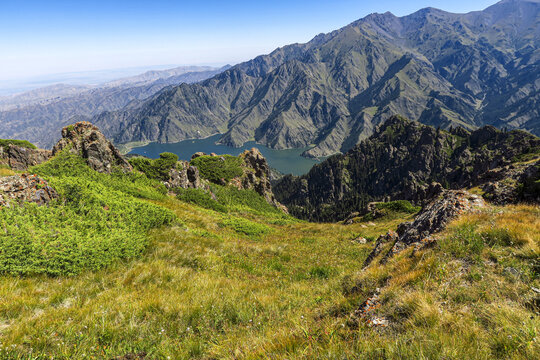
(86,140)
(400,162)
(512,183)
(257,176)
(21,158)
(17,189)
(185,176)
(432,219)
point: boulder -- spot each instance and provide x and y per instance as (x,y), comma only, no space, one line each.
(21,158)
(17,189)
(256,177)
(185,176)
(86,140)
(432,219)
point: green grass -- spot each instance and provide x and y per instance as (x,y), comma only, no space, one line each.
(216,168)
(201,198)
(157,169)
(22,143)
(98,220)
(230,199)
(246,227)
(214,293)
(242,285)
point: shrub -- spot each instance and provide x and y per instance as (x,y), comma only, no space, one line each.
(22,143)
(215,168)
(68,165)
(199,197)
(246,227)
(97,221)
(157,169)
(402,206)
(232,197)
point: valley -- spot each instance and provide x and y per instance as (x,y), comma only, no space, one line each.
(371,193)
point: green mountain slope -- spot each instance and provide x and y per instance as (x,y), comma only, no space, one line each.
(399,162)
(440,68)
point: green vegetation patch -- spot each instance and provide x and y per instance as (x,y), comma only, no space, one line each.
(216,168)
(157,169)
(98,219)
(391,209)
(4,143)
(246,227)
(201,198)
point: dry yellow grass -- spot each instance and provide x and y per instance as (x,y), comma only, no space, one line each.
(205,291)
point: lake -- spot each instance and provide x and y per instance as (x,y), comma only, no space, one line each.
(285,161)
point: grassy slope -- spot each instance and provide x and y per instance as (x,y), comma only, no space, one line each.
(207,291)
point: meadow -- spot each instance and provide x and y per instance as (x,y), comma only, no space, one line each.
(248,282)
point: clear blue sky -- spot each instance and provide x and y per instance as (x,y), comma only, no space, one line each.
(48,36)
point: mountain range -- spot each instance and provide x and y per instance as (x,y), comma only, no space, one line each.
(38,115)
(442,69)
(406,160)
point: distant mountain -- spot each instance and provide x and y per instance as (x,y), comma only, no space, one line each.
(41,96)
(154,75)
(399,162)
(439,68)
(39,115)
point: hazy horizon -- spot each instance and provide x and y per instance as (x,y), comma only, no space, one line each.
(44,40)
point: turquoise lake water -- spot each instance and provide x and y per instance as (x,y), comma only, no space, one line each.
(285,161)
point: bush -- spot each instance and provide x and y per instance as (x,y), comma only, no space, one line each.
(216,168)
(402,206)
(68,165)
(157,169)
(97,221)
(199,197)
(246,227)
(22,143)
(234,198)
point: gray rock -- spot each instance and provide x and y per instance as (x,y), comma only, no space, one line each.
(18,189)
(21,158)
(86,140)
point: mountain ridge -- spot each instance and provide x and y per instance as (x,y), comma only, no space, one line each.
(439,68)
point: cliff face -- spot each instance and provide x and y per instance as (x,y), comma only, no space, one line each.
(400,161)
(21,158)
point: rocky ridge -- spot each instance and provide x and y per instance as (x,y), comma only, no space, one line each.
(21,158)
(401,161)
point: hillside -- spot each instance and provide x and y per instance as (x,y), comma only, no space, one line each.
(403,159)
(439,68)
(155,259)
(38,116)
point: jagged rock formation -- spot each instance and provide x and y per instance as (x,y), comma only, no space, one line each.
(400,161)
(17,189)
(185,176)
(21,158)
(512,183)
(432,219)
(87,141)
(256,176)
(440,68)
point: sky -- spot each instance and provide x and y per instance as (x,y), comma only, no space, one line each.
(43,37)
